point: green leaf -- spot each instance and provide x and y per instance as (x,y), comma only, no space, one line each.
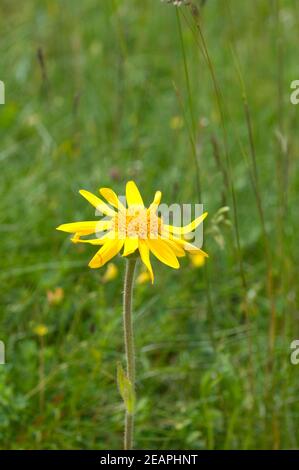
(126,389)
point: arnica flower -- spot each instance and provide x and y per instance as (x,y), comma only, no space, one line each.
(137,231)
(40,330)
(197,260)
(131,229)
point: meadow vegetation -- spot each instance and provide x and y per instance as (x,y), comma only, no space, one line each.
(197,105)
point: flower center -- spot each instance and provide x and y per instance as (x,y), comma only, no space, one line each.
(136,223)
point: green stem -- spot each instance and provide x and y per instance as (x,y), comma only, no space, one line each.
(129,345)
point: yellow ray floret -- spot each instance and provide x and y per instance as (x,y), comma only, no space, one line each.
(112,198)
(84,227)
(134,229)
(96,202)
(187,228)
(133,195)
(110,249)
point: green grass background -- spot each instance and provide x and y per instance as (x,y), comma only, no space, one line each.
(99,114)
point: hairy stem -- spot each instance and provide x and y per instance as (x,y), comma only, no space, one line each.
(129,345)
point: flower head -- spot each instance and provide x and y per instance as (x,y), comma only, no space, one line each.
(55,296)
(132,228)
(197,260)
(40,330)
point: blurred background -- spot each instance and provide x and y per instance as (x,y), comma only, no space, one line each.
(194,101)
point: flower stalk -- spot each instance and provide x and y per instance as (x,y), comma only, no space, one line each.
(129,350)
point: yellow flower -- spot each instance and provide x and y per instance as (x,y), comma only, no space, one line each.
(40,330)
(176,122)
(143,277)
(55,296)
(111,273)
(132,228)
(197,260)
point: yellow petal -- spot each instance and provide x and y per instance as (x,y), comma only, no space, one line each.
(79,227)
(110,249)
(133,195)
(192,249)
(187,228)
(176,248)
(85,228)
(95,241)
(131,245)
(112,198)
(145,257)
(163,252)
(76,237)
(157,199)
(95,201)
